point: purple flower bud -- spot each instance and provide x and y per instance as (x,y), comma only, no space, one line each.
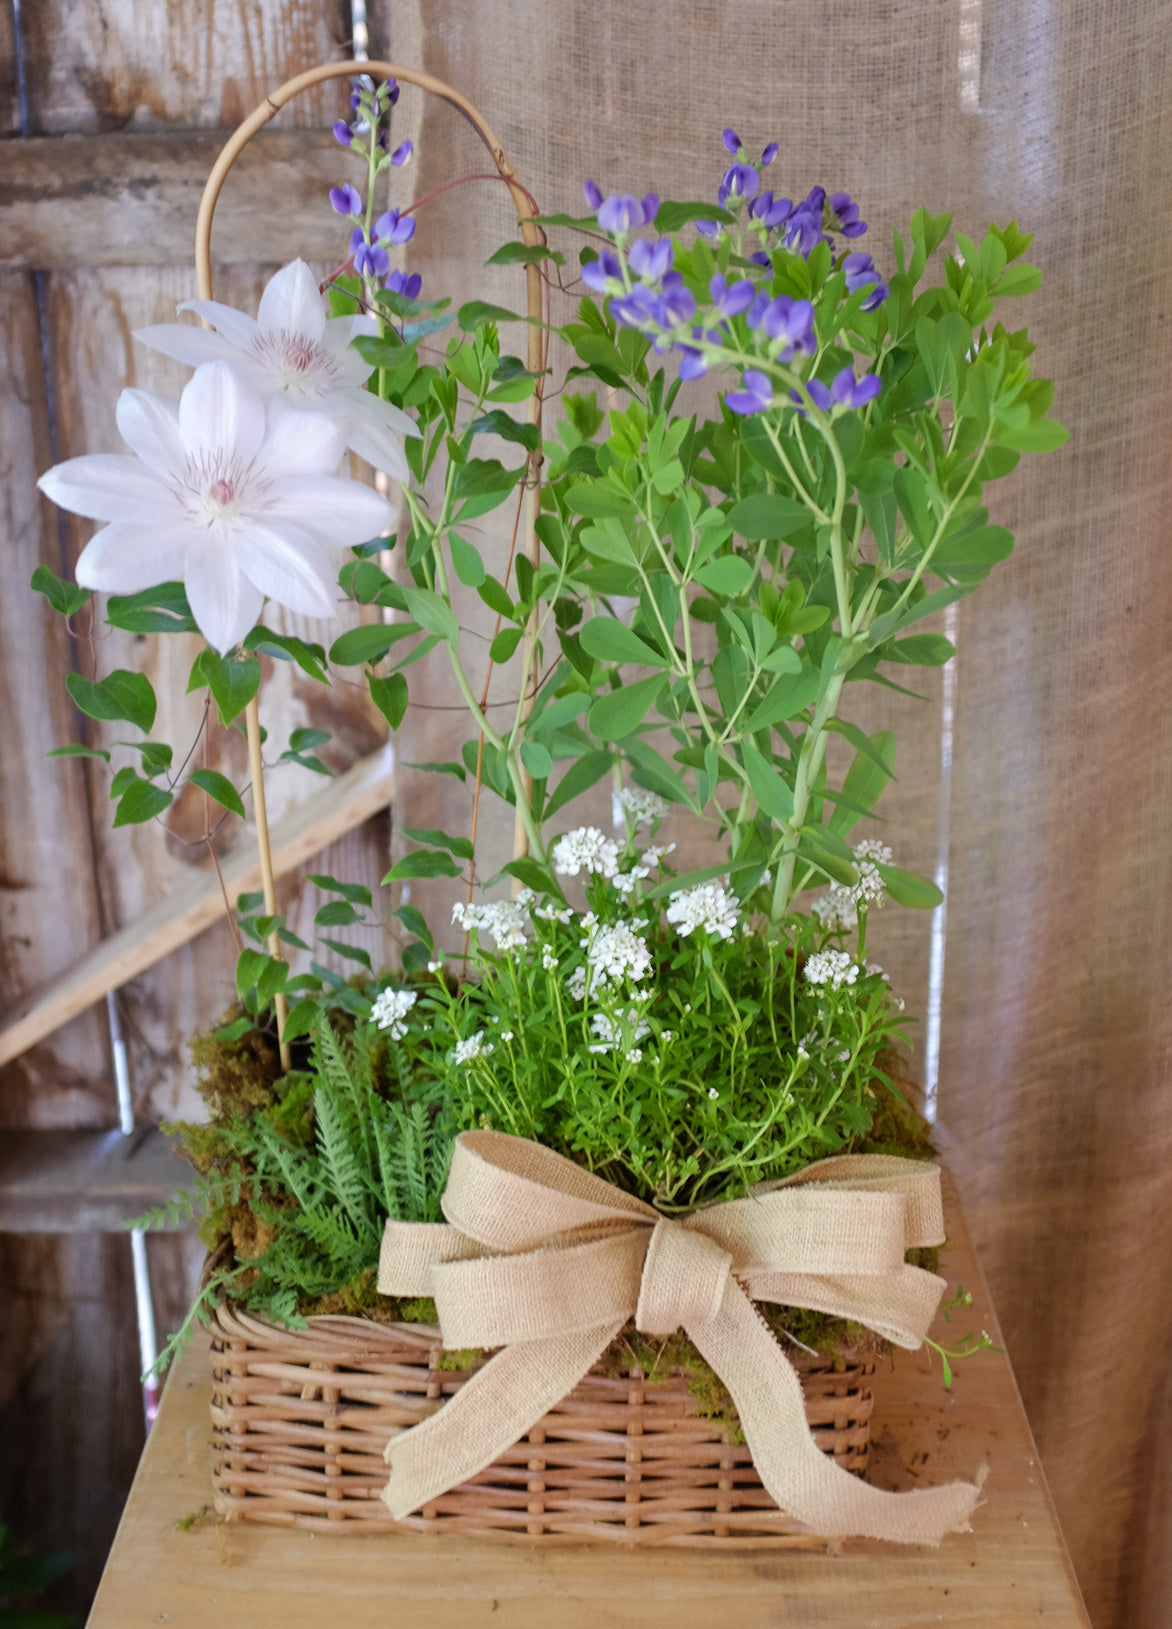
(692,363)
(598,274)
(819,394)
(756,396)
(371,260)
(620,213)
(396,90)
(399,283)
(848,393)
(592,193)
(876,297)
(636,309)
(760,258)
(861,273)
(389,228)
(402,153)
(730,140)
(649,261)
(844,215)
(343,133)
(650,208)
(739,181)
(346,200)
(760,206)
(730,299)
(357,240)
(677,304)
(769,155)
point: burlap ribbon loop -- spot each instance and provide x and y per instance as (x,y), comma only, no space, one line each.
(548,1262)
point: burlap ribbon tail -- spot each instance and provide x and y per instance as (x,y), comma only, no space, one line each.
(547,1262)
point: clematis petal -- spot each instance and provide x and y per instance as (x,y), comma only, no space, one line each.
(107,486)
(291,301)
(385,412)
(289,566)
(187,344)
(125,557)
(223,601)
(302,443)
(149,425)
(219,411)
(240,330)
(337,513)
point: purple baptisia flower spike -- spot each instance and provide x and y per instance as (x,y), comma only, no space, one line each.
(756,396)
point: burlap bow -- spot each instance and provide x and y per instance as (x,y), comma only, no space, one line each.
(544,1260)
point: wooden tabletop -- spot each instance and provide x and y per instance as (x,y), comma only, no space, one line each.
(167,1568)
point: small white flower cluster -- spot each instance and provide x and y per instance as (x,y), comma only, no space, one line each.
(613,952)
(641,808)
(709,906)
(610,1033)
(390,1011)
(841,904)
(833,967)
(504,919)
(474,1047)
(585,849)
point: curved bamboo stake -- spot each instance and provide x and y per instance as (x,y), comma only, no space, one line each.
(272,105)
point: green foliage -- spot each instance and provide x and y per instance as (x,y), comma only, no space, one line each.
(298,1174)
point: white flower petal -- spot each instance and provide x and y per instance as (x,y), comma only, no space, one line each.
(219,412)
(289,566)
(107,486)
(302,443)
(377,444)
(223,602)
(338,512)
(239,329)
(291,301)
(124,559)
(149,425)
(187,344)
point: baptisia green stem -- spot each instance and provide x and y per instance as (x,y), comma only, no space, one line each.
(813,750)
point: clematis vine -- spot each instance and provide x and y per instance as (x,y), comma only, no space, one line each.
(231,495)
(292,349)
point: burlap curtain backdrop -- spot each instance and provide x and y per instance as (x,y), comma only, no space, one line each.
(1055,1021)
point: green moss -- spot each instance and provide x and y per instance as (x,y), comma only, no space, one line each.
(466,1359)
(234,1078)
(292,1113)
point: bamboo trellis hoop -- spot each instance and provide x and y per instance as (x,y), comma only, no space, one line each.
(531,502)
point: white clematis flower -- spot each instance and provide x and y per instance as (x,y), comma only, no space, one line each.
(293,349)
(234,498)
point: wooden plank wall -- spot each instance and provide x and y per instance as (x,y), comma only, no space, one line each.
(110,111)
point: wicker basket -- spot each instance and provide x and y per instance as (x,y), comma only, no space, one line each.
(301,1419)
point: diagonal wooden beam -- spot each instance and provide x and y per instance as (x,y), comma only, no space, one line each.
(349,800)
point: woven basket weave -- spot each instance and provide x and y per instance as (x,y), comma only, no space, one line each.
(301,1419)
